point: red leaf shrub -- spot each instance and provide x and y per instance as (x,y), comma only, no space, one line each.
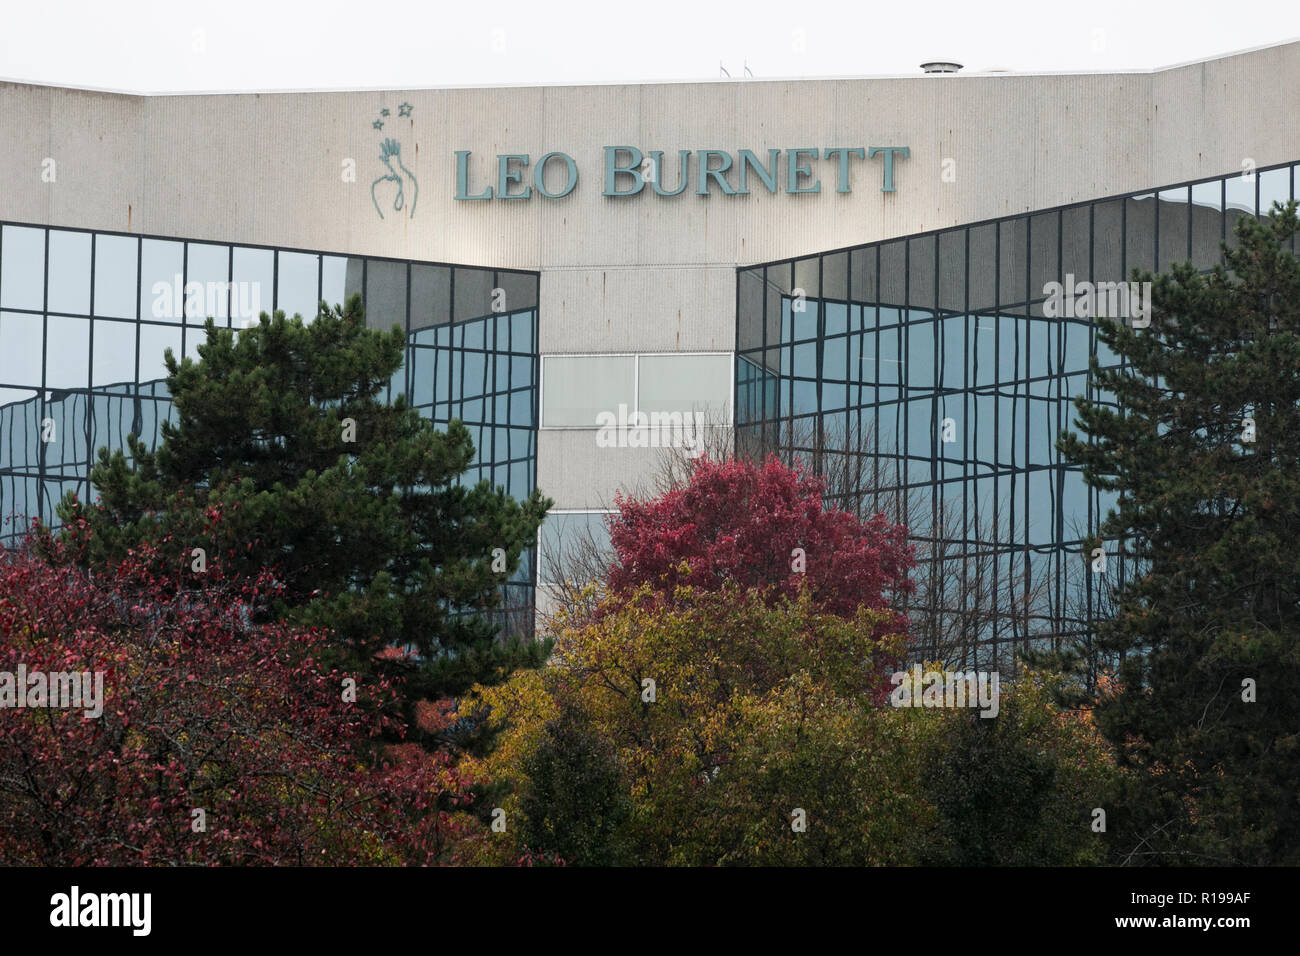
(737,520)
(203,708)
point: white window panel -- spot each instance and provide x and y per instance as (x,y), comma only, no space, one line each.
(685,383)
(576,388)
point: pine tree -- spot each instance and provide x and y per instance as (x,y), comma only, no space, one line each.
(284,455)
(1204,450)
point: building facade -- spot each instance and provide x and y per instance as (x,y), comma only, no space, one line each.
(855,272)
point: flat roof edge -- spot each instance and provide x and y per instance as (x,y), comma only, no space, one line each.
(924,77)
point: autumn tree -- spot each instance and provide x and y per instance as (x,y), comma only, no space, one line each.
(213,739)
(720,728)
(964,605)
(758,525)
(720,713)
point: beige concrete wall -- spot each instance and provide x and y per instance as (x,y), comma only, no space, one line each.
(644,273)
(266,167)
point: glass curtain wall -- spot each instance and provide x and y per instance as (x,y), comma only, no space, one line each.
(922,377)
(86,316)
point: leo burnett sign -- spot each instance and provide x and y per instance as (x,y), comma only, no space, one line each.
(628,171)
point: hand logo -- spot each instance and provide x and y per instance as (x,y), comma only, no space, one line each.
(390,154)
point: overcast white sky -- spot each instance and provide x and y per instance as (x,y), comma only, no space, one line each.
(175,45)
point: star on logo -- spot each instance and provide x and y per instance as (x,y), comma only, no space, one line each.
(378,124)
(384,111)
(405,109)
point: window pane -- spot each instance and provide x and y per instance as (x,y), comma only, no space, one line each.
(520,291)
(336,282)
(685,383)
(1207,222)
(566,539)
(115,276)
(1174,212)
(385,294)
(154,340)
(521,332)
(1274,186)
(920,337)
(1241,193)
(835,359)
(20,359)
(472,293)
(65,453)
(952,361)
(22,268)
(430,296)
(162,280)
(298,278)
(67,357)
(114,359)
(69,284)
(1208,194)
(1140,233)
(252,273)
(577,388)
(193,339)
(209,266)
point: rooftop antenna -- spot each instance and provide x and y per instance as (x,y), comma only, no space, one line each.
(748,72)
(722,70)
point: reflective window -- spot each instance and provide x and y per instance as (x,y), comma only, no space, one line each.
(209,266)
(825,382)
(115,276)
(1207,220)
(1208,194)
(385,294)
(952,358)
(1140,233)
(1174,215)
(67,353)
(920,338)
(22,268)
(114,353)
(162,280)
(69,281)
(339,278)
(1240,192)
(297,281)
(1274,187)
(20,358)
(473,294)
(518,292)
(154,341)
(569,541)
(430,295)
(191,341)
(252,278)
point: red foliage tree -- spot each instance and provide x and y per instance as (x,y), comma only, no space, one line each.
(206,708)
(737,520)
